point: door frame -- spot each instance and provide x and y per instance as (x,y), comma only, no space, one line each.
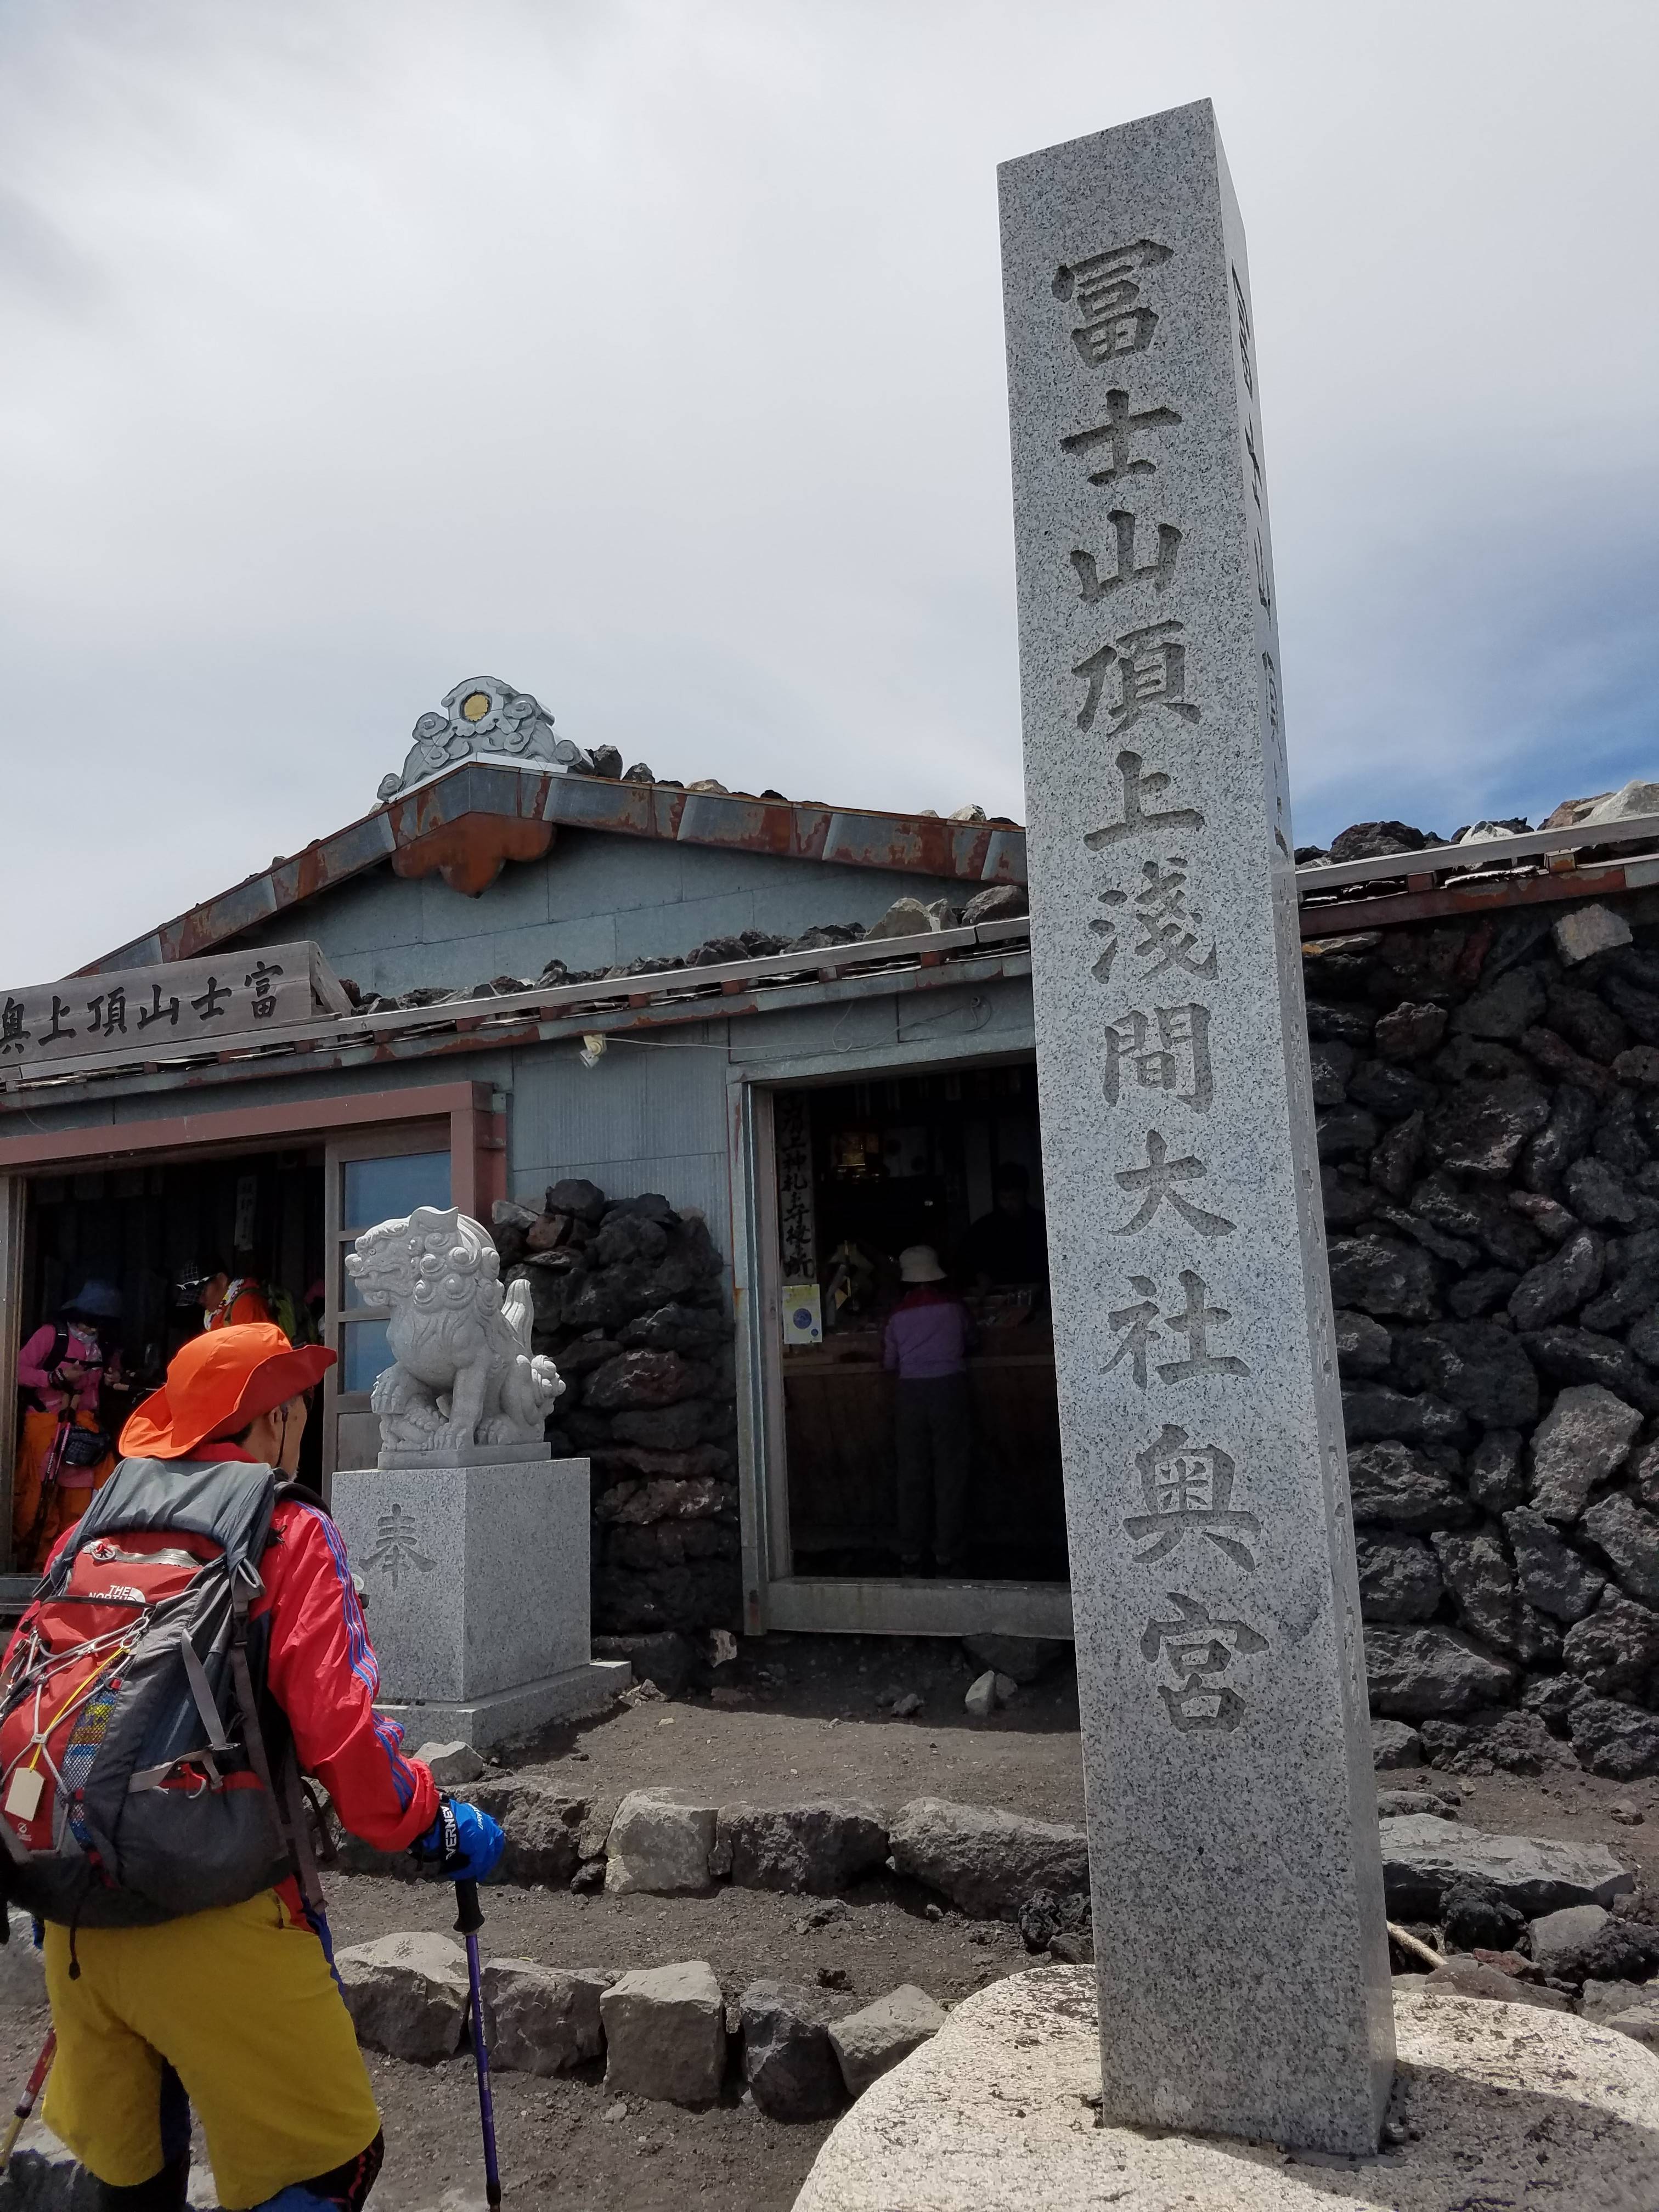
(380,1142)
(775,1597)
(475,1113)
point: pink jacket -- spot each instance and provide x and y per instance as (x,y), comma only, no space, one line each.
(32,1368)
(929,1335)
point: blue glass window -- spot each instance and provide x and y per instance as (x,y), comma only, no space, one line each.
(364,1353)
(386,1189)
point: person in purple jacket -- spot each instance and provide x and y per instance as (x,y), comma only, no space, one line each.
(929,1336)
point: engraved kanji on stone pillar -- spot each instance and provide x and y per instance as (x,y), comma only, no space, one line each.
(1233,1818)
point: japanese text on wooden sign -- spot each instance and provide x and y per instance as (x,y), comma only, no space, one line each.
(175,1007)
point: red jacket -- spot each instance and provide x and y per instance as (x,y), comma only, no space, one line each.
(321,1670)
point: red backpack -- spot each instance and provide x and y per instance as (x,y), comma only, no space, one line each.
(135,1780)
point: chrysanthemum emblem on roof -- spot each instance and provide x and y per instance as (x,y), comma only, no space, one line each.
(482,719)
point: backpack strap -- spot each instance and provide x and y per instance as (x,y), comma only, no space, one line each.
(300,1493)
(287,1802)
(53,1360)
(294,1796)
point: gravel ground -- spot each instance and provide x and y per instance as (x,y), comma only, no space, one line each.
(566,2133)
(808,1725)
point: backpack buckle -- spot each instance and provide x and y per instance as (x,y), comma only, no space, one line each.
(246,1586)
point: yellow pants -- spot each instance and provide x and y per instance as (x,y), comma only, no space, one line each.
(240,2003)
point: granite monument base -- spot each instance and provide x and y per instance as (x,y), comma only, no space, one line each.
(504,1714)
(475,1588)
(1494,2104)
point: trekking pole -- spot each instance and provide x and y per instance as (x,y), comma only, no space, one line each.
(468,1921)
(49,1473)
(25,2104)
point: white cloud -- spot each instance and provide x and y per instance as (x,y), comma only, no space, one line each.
(649,356)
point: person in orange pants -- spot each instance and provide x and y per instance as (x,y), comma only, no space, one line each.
(61,1369)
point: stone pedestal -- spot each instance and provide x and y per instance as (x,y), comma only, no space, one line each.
(476,1586)
(1232,1821)
(1497,2105)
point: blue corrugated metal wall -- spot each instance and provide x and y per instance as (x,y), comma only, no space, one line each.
(650,1117)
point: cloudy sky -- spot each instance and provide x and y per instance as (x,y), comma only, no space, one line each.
(647,354)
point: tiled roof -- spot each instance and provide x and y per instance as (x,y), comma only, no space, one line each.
(968,852)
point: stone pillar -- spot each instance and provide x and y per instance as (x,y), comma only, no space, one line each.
(476,1590)
(1232,1824)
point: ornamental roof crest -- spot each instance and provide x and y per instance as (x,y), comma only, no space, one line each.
(483,719)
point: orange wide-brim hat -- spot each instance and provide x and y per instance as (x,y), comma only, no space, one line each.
(221,1380)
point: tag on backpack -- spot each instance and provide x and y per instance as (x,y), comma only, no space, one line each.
(23,1795)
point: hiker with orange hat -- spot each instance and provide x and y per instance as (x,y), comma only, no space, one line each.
(196,1644)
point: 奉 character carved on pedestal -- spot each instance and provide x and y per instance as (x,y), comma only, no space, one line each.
(466,1374)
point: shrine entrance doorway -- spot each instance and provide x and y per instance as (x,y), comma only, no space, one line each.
(853,1174)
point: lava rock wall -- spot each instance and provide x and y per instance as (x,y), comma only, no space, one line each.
(630,1304)
(1488,1129)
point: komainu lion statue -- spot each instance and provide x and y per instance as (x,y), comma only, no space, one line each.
(466,1374)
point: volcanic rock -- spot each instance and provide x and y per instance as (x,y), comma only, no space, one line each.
(1374,1410)
(1473,1365)
(1382,1277)
(1423,1856)
(789,2059)
(1613,1738)
(1479,1577)
(660,1842)
(1398,1156)
(1614,1649)
(813,1848)
(1504,1009)
(1400,1488)
(869,2043)
(1559,1284)
(1399,1577)
(1416,1672)
(1629,1539)
(1494,1741)
(986,1861)
(1550,1575)
(542,2020)
(1482,1129)
(1496,1478)
(1411,1032)
(1571,1120)
(665,2033)
(1394,1745)
(407,1993)
(1363,1346)
(1580,1441)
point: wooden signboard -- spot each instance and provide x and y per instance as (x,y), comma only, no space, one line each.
(179,1005)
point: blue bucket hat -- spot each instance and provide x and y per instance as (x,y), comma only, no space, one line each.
(96,1301)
